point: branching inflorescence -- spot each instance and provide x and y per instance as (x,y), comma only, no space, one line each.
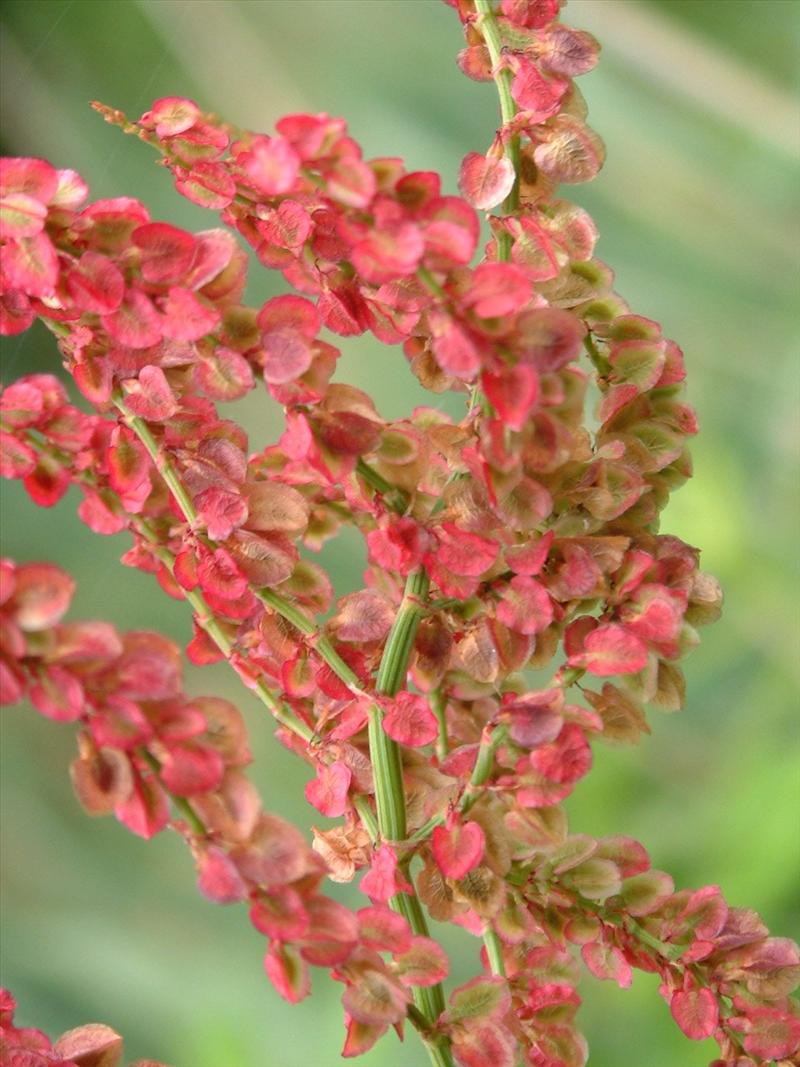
(514,541)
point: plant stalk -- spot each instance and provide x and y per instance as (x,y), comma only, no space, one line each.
(487,23)
(389,790)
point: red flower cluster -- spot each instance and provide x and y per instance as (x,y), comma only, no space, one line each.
(93,1045)
(143,742)
(518,537)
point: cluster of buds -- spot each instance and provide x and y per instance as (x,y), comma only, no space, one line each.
(523,536)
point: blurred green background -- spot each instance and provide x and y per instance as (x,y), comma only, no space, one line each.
(697,208)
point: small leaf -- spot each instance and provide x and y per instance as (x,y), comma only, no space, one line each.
(458,848)
(271,164)
(360,1037)
(595,879)
(464,553)
(171,115)
(93,1045)
(135,323)
(207,184)
(477,1046)
(21,216)
(573,153)
(409,720)
(365,616)
(611,649)
(512,392)
(288,972)
(145,811)
(96,284)
(480,998)
(280,914)
(166,252)
(568,52)
(224,374)
(607,962)
(102,780)
(485,181)
(42,594)
(384,930)
(696,1012)
(30,264)
(383,880)
(186,317)
(425,963)
(328,791)
(375,997)
(191,768)
(646,892)
(58,694)
(221,511)
(525,605)
(538,96)
(218,878)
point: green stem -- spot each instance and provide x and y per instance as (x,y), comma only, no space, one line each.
(495,952)
(367,816)
(484,764)
(571,676)
(389,791)
(396,654)
(320,642)
(181,803)
(394,498)
(160,459)
(600,362)
(487,23)
(385,755)
(428,279)
(438,706)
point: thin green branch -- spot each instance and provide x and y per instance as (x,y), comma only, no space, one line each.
(385,755)
(438,706)
(318,641)
(205,616)
(495,952)
(181,803)
(600,362)
(487,23)
(484,764)
(394,498)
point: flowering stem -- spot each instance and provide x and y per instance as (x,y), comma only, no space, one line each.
(487,24)
(205,616)
(387,765)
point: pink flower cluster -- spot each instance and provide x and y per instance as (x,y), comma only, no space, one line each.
(524,535)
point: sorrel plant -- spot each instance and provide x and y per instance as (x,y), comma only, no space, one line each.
(519,602)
